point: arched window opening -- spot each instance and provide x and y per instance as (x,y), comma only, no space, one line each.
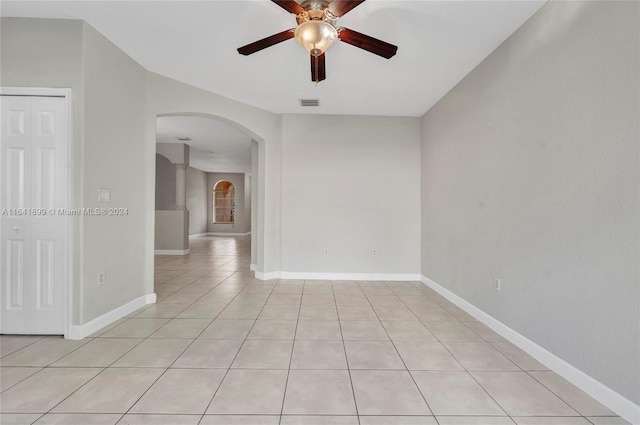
(224,202)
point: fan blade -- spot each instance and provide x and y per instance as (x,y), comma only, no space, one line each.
(341,7)
(289,5)
(266,42)
(367,43)
(318,70)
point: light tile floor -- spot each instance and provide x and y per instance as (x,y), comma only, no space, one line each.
(222,348)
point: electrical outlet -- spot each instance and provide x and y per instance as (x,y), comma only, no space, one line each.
(326,251)
(497,283)
(375,252)
(102,278)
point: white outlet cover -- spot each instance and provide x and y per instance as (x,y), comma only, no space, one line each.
(104,195)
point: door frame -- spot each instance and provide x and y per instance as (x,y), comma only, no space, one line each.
(67,94)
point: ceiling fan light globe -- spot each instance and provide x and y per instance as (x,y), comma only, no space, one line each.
(316,36)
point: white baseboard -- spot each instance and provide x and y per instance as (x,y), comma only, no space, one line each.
(337,276)
(253,267)
(202,235)
(172,251)
(350,276)
(267,276)
(82,331)
(619,404)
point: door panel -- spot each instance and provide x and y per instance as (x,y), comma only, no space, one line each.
(45,178)
(14,181)
(15,273)
(45,274)
(33,248)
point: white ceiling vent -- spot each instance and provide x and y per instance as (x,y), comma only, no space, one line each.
(309,102)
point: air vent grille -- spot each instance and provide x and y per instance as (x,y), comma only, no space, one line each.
(309,102)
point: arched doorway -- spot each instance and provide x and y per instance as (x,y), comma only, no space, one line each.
(225,216)
(224,202)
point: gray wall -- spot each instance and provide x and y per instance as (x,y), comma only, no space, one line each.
(350,186)
(60,53)
(170,97)
(240,225)
(114,113)
(165,184)
(172,230)
(197,201)
(118,114)
(48,53)
(530,173)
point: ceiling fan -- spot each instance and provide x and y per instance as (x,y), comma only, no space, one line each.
(317,31)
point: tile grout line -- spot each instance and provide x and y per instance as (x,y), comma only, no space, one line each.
(293,347)
(198,264)
(400,357)
(103,370)
(177,357)
(467,371)
(238,352)
(344,348)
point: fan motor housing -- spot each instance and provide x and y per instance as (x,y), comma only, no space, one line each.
(315,4)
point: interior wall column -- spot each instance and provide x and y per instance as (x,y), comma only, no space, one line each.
(172,225)
(181,186)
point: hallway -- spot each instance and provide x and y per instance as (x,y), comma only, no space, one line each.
(222,348)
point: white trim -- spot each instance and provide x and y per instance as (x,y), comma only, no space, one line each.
(267,276)
(350,276)
(35,91)
(253,267)
(172,251)
(336,276)
(622,406)
(82,331)
(202,235)
(69,224)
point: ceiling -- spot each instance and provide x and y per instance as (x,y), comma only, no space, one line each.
(195,42)
(214,146)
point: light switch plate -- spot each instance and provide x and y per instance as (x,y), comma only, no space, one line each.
(104,195)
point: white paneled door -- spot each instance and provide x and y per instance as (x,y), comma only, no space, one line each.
(34,167)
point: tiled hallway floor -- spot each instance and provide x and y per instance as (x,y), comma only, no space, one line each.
(222,348)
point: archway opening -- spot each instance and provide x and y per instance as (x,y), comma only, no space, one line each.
(236,215)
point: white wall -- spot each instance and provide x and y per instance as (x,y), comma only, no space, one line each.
(255,187)
(197,200)
(350,185)
(247,203)
(530,173)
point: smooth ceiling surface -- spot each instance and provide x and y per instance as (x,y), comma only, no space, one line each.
(215,146)
(195,42)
